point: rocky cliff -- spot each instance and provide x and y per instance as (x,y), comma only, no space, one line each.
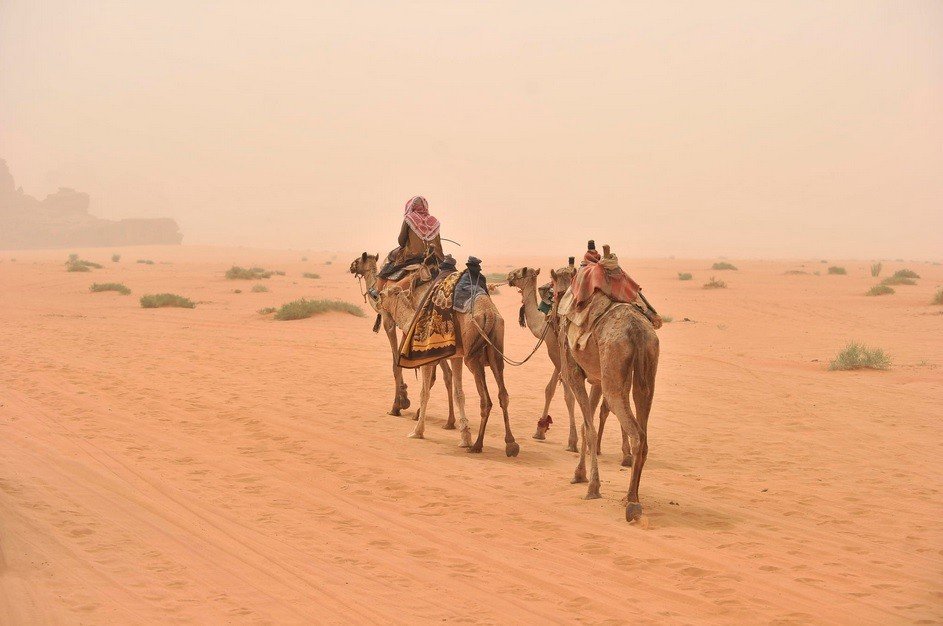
(63,220)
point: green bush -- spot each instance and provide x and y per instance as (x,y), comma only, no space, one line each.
(311,275)
(241,273)
(260,288)
(685,276)
(906,274)
(879,290)
(856,356)
(301,309)
(75,264)
(938,297)
(96,287)
(715,284)
(723,265)
(876,269)
(898,280)
(115,258)
(835,269)
(160,300)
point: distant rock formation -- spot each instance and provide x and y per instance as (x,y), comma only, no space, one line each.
(63,220)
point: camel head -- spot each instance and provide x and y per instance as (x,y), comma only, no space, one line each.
(363,264)
(562,278)
(519,277)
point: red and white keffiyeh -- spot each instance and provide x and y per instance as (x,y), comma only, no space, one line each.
(419,220)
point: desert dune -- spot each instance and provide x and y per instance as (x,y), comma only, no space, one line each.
(214,465)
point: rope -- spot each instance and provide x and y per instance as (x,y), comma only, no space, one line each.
(512,362)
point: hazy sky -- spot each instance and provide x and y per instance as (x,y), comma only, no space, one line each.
(686,128)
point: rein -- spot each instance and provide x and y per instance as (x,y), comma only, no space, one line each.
(507,360)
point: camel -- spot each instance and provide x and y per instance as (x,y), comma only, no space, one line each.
(525,279)
(620,358)
(476,349)
(365,266)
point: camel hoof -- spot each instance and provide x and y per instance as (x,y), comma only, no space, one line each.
(592,495)
(475,449)
(415,435)
(404,403)
(449,426)
(578,479)
(633,511)
(627,462)
(512,449)
(540,434)
(394,412)
(571,448)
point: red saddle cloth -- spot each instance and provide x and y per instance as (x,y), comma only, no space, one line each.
(607,278)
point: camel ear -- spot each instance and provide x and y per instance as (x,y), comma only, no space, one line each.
(537,272)
(363,257)
(376,257)
(553,275)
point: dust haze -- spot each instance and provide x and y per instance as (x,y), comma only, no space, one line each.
(722,128)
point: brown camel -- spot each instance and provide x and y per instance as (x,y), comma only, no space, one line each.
(365,266)
(621,357)
(480,335)
(525,279)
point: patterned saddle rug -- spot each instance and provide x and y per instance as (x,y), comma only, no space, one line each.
(431,334)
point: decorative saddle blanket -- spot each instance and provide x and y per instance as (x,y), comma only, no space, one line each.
(431,334)
(605,276)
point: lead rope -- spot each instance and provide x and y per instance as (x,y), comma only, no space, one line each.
(512,362)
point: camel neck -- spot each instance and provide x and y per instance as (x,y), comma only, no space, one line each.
(534,319)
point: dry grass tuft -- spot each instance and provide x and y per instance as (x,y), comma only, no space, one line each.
(97,287)
(836,269)
(161,300)
(856,357)
(879,290)
(685,276)
(715,284)
(301,309)
(723,265)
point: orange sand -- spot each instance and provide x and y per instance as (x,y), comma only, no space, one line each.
(213,465)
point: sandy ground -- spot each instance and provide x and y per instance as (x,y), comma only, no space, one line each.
(214,465)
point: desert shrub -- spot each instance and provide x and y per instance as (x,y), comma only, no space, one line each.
(328,262)
(301,309)
(304,259)
(906,274)
(96,287)
(685,276)
(145,261)
(237,290)
(310,275)
(667,319)
(115,258)
(715,284)
(835,269)
(496,277)
(267,310)
(723,265)
(879,290)
(856,356)
(156,301)
(876,269)
(796,273)
(279,273)
(898,280)
(260,288)
(240,273)
(75,264)
(937,297)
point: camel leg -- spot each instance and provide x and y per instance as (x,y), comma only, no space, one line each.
(478,371)
(575,380)
(428,376)
(571,411)
(447,379)
(511,447)
(644,384)
(603,416)
(548,396)
(459,393)
(626,449)
(595,393)
(400,399)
